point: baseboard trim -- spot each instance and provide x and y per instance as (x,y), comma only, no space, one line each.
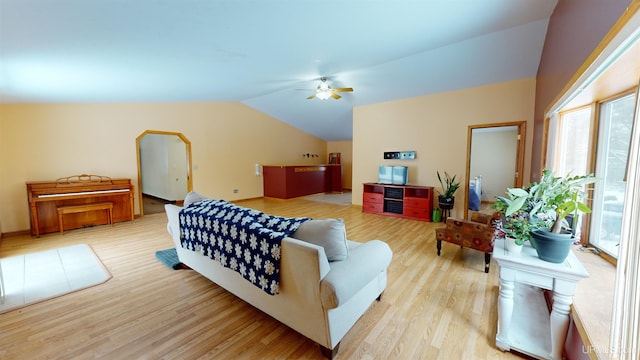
(14,233)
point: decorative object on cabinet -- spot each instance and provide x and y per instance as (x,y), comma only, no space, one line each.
(406,201)
(334,158)
(477,234)
(549,203)
(45,197)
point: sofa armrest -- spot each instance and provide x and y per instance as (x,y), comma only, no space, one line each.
(347,277)
(173,223)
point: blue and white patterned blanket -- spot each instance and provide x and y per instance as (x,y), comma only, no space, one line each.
(242,239)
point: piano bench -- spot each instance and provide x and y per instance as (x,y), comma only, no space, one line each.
(72,209)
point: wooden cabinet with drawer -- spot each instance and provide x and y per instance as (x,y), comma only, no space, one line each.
(414,202)
(372,202)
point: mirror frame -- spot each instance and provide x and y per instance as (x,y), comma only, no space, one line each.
(522,132)
(187,144)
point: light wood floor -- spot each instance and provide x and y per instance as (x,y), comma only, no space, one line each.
(434,307)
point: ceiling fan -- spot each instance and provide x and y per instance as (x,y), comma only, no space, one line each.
(324,90)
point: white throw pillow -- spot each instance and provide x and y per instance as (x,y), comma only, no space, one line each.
(193,197)
(328,233)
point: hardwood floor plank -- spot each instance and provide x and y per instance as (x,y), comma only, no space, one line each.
(434,307)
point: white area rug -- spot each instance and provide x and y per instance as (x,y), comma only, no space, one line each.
(35,277)
(340,199)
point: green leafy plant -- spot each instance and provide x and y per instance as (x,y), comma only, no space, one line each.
(549,201)
(515,225)
(449,186)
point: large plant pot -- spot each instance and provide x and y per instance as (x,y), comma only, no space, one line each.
(532,241)
(445,203)
(552,247)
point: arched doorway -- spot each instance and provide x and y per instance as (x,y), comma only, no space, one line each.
(164,166)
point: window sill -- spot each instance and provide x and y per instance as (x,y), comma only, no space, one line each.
(593,303)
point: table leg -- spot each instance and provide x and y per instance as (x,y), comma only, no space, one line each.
(559,323)
(34,212)
(505,311)
(60,222)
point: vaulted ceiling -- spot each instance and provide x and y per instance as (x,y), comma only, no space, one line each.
(268,55)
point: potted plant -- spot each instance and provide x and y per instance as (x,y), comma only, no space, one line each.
(449,187)
(551,201)
(515,227)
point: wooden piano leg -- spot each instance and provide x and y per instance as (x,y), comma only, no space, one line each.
(35,223)
(132,205)
(60,223)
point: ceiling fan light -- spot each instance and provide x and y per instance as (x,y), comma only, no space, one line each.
(323,95)
(323,91)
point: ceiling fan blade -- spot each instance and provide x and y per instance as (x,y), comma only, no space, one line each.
(342,89)
(311,97)
(335,96)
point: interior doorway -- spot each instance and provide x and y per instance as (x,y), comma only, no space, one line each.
(495,162)
(164,169)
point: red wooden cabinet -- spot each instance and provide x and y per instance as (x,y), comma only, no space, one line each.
(413,202)
(372,202)
(285,182)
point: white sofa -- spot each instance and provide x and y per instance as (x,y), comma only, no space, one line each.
(320,299)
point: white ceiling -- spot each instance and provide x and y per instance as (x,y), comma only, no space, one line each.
(261,53)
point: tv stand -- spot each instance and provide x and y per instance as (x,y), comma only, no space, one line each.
(405,201)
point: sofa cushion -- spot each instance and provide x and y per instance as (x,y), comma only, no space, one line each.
(328,233)
(346,278)
(193,197)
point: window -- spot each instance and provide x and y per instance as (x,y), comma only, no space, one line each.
(573,142)
(571,146)
(614,136)
(574,149)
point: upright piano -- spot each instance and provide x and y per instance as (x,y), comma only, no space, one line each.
(45,197)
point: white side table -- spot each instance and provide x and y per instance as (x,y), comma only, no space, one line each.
(524,323)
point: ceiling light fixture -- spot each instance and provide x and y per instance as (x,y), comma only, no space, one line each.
(323,91)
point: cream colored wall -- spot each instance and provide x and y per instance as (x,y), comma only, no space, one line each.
(435,126)
(49,141)
(345,148)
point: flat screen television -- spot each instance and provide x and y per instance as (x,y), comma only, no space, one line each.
(397,175)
